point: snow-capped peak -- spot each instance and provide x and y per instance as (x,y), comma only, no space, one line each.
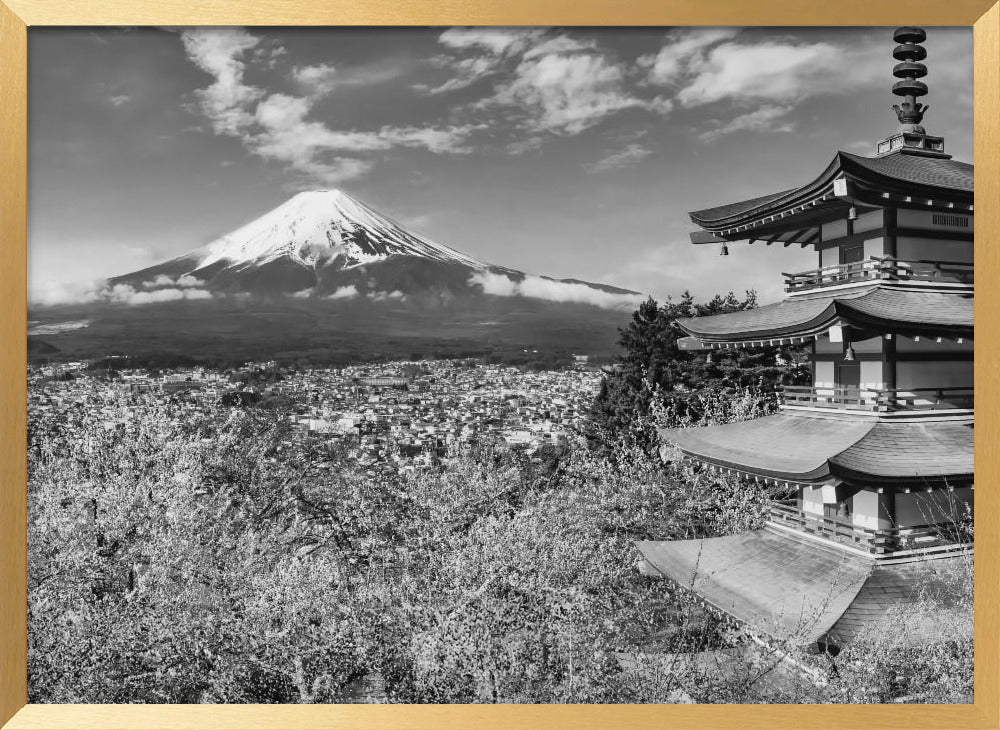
(318,226)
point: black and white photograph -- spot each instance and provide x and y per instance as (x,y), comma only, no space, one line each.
(518,365)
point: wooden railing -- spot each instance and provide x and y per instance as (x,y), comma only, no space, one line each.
(885,400)
(885,268)
(879,542)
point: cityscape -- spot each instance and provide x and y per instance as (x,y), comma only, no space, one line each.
(400,416)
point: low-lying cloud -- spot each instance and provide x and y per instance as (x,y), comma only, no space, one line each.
(159,289)
(539,287)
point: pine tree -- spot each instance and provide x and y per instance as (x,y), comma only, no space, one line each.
(653,373)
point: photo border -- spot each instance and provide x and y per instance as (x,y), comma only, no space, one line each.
(16,15)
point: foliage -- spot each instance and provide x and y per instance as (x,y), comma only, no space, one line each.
(216,559)
(655,382)
(164,568)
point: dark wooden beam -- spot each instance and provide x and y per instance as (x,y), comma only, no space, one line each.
(705,237)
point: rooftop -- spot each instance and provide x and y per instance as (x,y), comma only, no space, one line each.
(814,448)
(792,589)
(907,180)
(878,309)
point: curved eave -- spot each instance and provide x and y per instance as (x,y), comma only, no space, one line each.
(933,454)
(810,448)
(877,309)
(795,591)
(803,207)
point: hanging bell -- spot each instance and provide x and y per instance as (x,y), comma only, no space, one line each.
(852,213)
(849,354)
(724,251)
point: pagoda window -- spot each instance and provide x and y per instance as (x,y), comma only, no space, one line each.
(907,218)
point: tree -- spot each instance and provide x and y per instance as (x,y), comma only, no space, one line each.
(653,380)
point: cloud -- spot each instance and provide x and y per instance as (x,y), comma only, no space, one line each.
(125,294)
(539,287)
(344,292)
(162,280)
(53,293)
(466,71)
(382,296)
(278,127)
(312,148)
(771,71)
(764,119)
(632,154)
(318,80)
(219,52)
(673,59)
(762,80)
(570,93)
(497,41)
(119,99)
(556,83)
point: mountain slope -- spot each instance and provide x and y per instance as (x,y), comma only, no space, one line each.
(323,243)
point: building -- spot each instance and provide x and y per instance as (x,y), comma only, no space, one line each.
(876,456)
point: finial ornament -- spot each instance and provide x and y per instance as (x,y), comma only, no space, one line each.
(910,137)
(909,53)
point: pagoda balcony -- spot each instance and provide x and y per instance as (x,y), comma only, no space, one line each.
(880,544)
(881,269)
(885,400)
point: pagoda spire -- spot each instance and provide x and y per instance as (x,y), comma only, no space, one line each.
(910,137)
(909,53)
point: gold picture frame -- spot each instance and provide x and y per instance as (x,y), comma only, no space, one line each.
(17,15)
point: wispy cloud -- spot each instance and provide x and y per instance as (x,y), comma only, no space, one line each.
(632,154)
(682,48)
(119,99)
(763,80)
(540,287)
(769,118)
(219,52)
(545,81)
(497,41)
(277,126)
(568,93)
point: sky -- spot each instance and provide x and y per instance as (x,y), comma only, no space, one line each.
(566,152)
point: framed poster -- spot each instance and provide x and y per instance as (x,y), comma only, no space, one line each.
(375,375)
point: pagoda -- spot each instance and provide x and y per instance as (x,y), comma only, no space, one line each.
(875,457)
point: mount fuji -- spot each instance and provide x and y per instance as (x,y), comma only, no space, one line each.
(325,278)
(324,243)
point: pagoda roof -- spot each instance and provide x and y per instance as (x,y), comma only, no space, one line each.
(899,179)
(793,589)
(883,309)
(816,448)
